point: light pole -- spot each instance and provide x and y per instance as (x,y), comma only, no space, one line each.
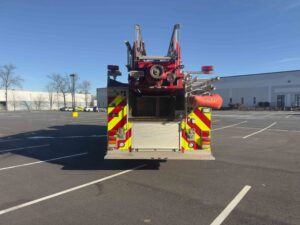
(73,90)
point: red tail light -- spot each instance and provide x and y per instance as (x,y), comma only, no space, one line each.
(207,69)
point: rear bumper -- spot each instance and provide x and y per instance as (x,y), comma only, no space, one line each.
(187,155)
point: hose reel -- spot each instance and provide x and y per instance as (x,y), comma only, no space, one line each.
(156,71)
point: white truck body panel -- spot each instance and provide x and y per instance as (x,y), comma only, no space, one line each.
(155,135)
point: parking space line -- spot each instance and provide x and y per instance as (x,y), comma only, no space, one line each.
(14,208)
(249,128)
(249,135)
(23,148)
(232,125)
(224,214)
(281,130)
(267,115)
(43,161)
(258,128)
(66,137)
(7,140)
(288,116)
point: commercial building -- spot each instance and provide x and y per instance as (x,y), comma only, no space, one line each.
(32,100)
(278,89)
(102,97)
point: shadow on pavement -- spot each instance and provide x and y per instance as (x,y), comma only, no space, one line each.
(66,140)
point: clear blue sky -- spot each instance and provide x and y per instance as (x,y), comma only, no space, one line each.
(64,36)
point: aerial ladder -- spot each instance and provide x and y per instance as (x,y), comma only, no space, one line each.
(162,111)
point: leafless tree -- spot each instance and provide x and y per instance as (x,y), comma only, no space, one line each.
(93,99)
(26,105)
(38,102)
(8,79)
(57,100)
(61,84)
(14,102)
(85,88)
(50,90)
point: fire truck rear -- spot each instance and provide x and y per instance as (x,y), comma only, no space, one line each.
(163,111)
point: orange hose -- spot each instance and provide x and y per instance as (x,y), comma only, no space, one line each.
(214,101)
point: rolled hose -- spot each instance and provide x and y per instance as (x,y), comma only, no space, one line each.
(214,101)
(156,71)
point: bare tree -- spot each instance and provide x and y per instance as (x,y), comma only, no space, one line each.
(57,100)
(26,105)
(9,80)
(38,102)
(93,99)
(50,90)
(61,84)
(85,88)
(14,102)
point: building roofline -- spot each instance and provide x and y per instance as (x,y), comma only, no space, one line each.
(255,74)
(41,92)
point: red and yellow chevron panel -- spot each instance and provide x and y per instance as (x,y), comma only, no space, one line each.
(118,128)
(195,130)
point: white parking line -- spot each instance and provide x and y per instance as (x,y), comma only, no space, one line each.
(223,215)
(281,130)
(7,140)
(4,211)
(43,161)
(249,128)
(23,148)
(269,114)
(288,116)
(249,135)
(65,137)
(232,125)
(257,128)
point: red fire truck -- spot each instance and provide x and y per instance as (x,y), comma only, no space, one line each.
(163,111)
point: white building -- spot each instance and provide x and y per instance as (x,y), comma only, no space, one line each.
(102,97)
(277,89)
(32,100)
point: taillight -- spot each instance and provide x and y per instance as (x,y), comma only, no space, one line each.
(207,69)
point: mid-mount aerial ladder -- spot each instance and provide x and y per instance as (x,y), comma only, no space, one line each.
(163,111)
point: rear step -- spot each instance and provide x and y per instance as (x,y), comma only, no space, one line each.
(172,155)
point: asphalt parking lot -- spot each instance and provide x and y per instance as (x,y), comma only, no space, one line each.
(51,173)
